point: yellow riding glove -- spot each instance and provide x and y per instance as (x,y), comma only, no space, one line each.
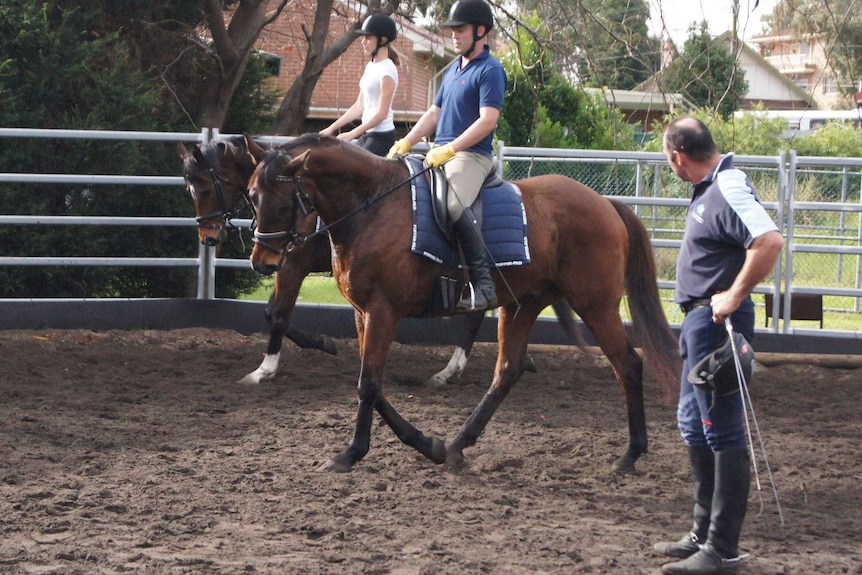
(400,148)
(438,156)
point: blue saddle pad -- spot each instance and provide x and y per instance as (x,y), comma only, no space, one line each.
(504,224)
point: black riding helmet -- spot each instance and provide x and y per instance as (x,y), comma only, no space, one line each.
(379,25)
(717,371)
(475,12)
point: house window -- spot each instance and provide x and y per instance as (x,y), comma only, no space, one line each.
(804,49)
(800,81)
(830,85)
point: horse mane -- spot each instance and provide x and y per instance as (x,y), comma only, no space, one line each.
(212,153)
(273,162)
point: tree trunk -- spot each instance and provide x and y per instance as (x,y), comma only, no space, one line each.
(231,48)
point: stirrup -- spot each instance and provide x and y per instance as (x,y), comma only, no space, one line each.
(469,304)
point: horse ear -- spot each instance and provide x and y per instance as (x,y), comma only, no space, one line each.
(254,149)
(198,155)
(181,150)
(301,160)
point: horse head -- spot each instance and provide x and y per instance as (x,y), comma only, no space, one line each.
(216,177)
(284,215)
(309,177)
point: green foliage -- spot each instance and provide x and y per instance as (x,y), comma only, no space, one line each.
(706,73)
(834,140)
(543,109)
(616,49)
(749,134)
(252,109)
(59,68)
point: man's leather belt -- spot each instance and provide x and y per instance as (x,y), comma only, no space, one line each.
(694,304)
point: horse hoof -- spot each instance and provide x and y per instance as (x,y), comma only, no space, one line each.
(253,378)
(329,346)
(454,458)
(336,465)
(530,366)
(438,451)
(437,380)
(625,466)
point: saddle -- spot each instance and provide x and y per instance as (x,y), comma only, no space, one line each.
(499,209)
(439,186)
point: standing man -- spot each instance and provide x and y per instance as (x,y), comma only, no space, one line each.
(464,117)
(729,246)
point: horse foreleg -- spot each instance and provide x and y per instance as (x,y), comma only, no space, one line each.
(512,361)
(470,324)
(430,447)
(308,340)
(376,333)
(567,323)
(278,311)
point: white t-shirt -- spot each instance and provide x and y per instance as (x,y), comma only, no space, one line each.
(369,86)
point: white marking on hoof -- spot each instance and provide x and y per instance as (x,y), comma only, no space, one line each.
(453,369)
(268,368)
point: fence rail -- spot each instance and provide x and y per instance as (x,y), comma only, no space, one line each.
(823,252)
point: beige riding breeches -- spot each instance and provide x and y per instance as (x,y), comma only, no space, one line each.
(466,172)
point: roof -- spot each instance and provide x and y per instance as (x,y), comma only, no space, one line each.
(651,84)
(653,100)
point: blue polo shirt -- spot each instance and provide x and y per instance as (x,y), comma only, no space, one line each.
(481,83)
(724,218)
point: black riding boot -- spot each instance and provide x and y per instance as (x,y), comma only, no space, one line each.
(469,236)
(702,463)
(720,554)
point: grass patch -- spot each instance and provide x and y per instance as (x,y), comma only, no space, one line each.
(321,289)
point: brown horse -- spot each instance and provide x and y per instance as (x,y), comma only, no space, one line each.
(217,175)
(585,249)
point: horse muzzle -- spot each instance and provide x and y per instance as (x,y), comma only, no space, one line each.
(211,236)
(262,261)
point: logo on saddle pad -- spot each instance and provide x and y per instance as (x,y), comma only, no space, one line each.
(503,220)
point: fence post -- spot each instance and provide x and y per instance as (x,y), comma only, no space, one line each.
(789,244)
(206,253)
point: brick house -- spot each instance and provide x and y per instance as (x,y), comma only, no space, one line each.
(423,56)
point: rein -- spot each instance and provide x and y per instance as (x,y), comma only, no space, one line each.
(296,240)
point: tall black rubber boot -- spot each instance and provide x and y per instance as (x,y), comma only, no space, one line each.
(483,295)
(702,461)
(720,554)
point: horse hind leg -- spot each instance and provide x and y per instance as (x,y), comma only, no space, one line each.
(470,324)
(512,361)
(608,329)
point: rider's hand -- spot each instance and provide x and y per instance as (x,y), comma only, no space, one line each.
(438,156)
(400,148)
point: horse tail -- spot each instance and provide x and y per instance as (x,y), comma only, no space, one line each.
(648,318)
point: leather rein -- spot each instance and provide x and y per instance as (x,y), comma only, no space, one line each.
(304,203)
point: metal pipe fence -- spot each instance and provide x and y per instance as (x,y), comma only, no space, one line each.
(815,201)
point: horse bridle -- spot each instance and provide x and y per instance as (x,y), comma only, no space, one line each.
(294,239)
(225,214)
(303,202)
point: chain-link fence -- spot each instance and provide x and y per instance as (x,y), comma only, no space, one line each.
(815,202)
